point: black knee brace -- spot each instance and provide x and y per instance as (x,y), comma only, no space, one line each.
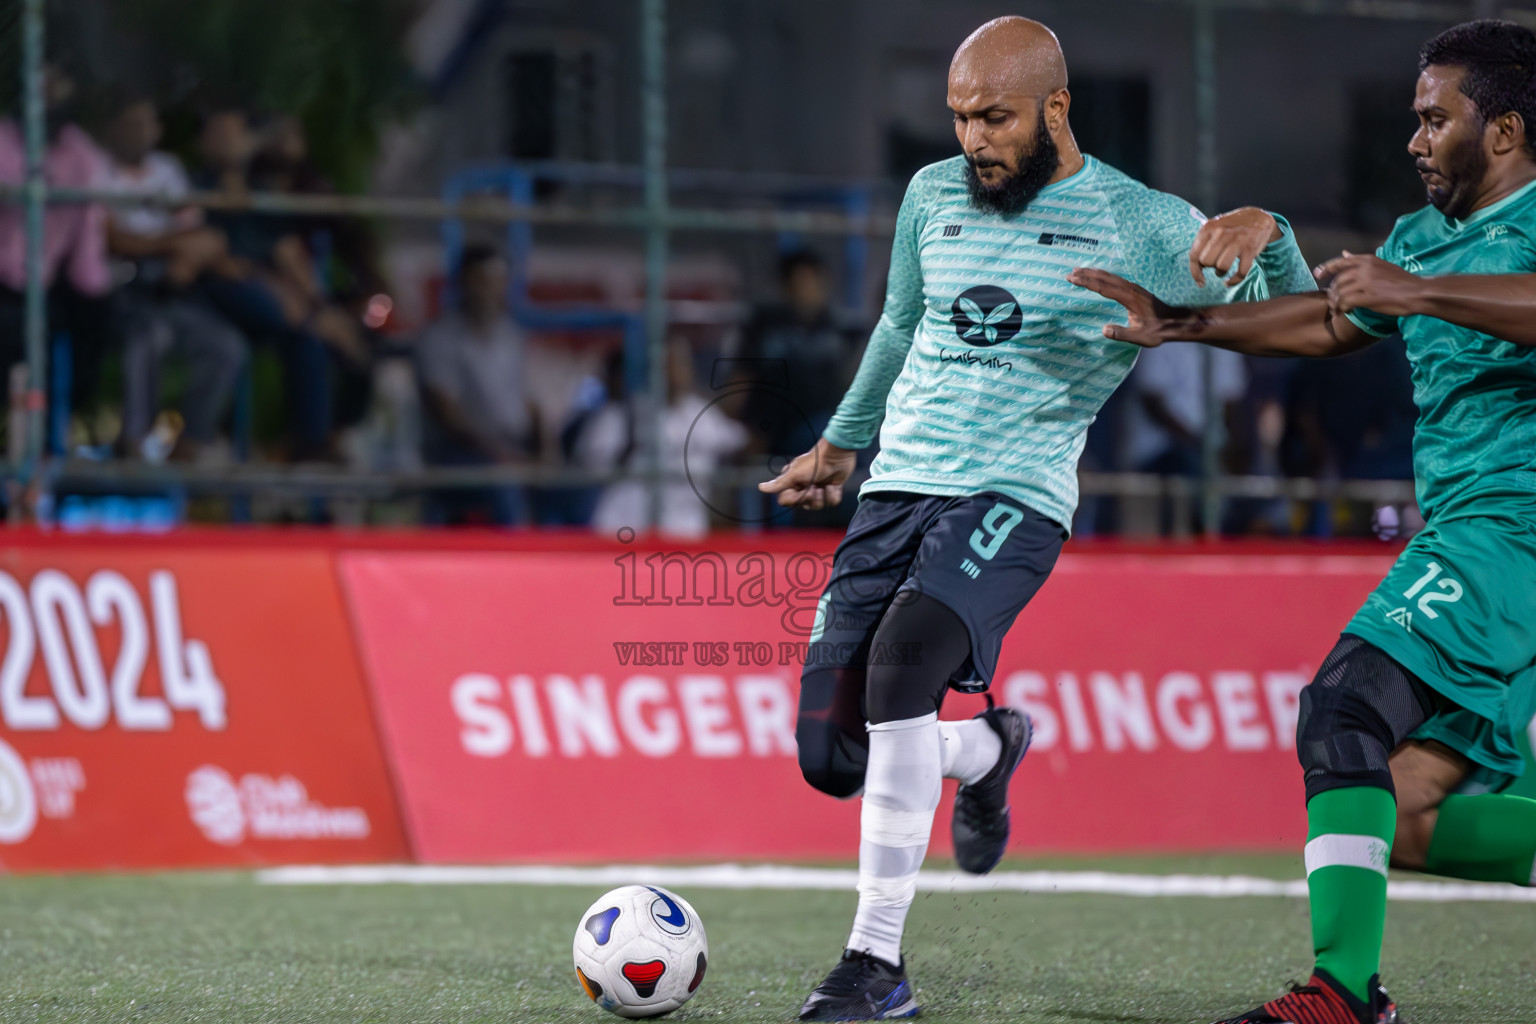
(919,643)
(1361,705)
(829,731)
(830,759)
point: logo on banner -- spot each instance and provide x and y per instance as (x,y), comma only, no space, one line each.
(261,807)
(18,803)
(57,779)
(213,800)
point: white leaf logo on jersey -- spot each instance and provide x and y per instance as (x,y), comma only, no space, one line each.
(985,323)
(985,315)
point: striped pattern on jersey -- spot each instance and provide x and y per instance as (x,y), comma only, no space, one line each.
(987,366)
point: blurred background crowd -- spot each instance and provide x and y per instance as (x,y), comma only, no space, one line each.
(196,331)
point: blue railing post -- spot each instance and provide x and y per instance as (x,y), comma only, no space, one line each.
(856,203)
(61,372)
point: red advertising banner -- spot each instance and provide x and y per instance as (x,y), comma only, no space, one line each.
(1164,694)
(162,705)
(535,706)
(624,704)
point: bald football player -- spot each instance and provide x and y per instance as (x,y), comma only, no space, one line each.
(981,379)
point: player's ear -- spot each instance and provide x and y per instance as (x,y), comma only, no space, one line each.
(1508,133)
(1056,106)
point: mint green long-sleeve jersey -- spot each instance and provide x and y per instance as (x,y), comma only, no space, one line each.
(987,365)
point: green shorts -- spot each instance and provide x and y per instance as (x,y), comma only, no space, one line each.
(1458,610)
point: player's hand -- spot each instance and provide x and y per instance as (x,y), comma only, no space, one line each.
(1237,236)
(1151,320)
(815,479)
(1356,281)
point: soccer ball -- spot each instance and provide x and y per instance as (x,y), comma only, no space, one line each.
(640,951)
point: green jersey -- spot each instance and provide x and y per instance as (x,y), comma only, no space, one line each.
(1457,608)
(988,366)
(1476,394)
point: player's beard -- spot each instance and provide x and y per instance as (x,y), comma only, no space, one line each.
(1462,168)
(1016,190)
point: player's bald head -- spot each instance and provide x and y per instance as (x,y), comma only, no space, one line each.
(1008,93)
(1009,55)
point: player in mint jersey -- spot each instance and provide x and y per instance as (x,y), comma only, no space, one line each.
(986,369)
(1408,732)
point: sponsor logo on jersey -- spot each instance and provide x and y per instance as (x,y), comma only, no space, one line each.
(985,315)
(1494,232)
(261,807)
(951,230)
(972,359)
(1075,241)
(1412,265)
(1402,616)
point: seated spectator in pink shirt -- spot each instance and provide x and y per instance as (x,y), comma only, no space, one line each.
(75,269)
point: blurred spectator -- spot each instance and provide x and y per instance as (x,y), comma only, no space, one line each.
(696,435)
(159,313)
(799,356)
(801,339)
(332,261)
(281,162)
(472,366)
(260,285)
(1167,417)
(1103,452)
(596,393)
(1350,418)
(75,268)
(1255,447)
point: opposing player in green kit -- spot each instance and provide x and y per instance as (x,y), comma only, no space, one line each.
(1408,732)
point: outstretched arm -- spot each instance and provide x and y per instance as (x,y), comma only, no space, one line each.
(1498,304)
(1292,325)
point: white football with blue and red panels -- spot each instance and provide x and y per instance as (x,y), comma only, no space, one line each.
(640,951)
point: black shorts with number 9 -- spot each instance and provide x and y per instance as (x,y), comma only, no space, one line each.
(982,555)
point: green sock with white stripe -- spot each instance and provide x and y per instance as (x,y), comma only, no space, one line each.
(1487,838)
(1349,841)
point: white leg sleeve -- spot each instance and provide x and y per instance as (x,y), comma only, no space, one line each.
(901,792)
(970,749)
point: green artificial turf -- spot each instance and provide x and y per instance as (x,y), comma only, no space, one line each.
(220,947)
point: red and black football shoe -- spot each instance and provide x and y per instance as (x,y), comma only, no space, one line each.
(1322,1000)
